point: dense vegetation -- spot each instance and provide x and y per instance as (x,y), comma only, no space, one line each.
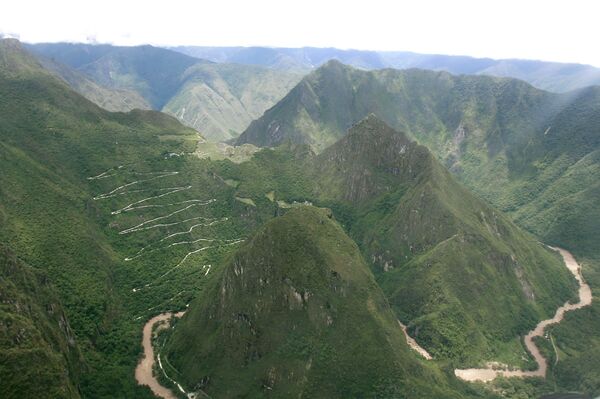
(61,157)
(296,312)
(127,222)
(218,100)
(52,140)
(531,153)
(36,341)
(465,279)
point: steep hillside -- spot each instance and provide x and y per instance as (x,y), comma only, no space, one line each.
(36,341)
(51,141)
(153,73)
(108,98)
(218,100)
(117,209)
(296,312)
(430,106)
(511,143)
(552,76)
(465,279)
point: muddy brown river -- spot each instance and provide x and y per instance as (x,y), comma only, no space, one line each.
(585,299)
(143,372)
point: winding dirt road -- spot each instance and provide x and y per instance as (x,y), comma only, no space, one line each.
(143,371)
(585,299)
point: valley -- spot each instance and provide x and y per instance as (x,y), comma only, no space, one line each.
(346,233)
(585,299)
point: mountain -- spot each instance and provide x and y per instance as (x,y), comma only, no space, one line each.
(296,312)
(551,76)
(129,218)
(108,98)
(36,341)
(462,276)
(51,140)
(220,100)
(300,59)
(515,145)
(217,100)
(152,72)
(118,210)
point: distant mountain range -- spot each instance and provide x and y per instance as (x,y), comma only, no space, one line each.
(218,100)
(551,76)
(220,90)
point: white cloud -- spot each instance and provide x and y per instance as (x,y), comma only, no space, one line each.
(549,30)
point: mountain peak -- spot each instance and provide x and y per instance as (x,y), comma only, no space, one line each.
(361,164)
(371,124)
(10,42)
(297,290)
(371,137)
(332,66)
(333,63)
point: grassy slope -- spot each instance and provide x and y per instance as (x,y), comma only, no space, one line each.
(36,341)
(296,312)
(108,98)
(221,100)
(152,72)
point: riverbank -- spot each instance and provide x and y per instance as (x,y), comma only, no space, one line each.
(585,299)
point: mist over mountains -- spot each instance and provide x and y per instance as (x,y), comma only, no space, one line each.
(551,76)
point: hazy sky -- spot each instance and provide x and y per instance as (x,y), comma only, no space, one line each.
(548,30)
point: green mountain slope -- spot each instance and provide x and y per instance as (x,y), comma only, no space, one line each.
(107,98)
(128,222)
(152,72)
(51,140)
(76,183)
(296,312)
(36,341)
(467,279)
(513,144)
(218,100)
